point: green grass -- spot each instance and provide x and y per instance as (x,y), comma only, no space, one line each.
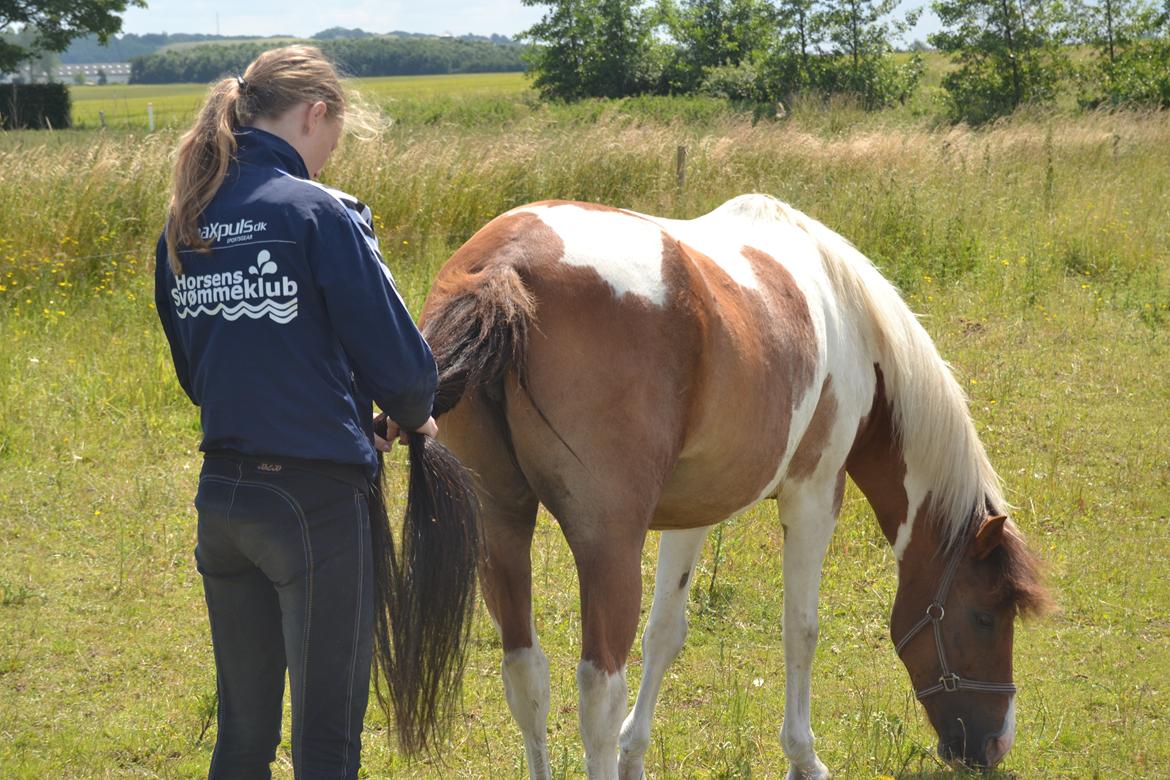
(125,105)
(1037,251)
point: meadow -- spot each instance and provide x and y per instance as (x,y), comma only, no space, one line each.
(125,105)
(1036,251)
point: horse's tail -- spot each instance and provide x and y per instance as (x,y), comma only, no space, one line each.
(479,333)
(425,594)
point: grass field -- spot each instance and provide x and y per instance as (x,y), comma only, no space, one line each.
(125,105)
(1036,250)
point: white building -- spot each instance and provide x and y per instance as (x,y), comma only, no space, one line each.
(116,72)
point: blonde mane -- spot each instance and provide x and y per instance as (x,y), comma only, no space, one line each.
(929,407)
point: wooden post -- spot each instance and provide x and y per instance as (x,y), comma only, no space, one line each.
(150,116)
(680,168)
(102,118)
(1049,169)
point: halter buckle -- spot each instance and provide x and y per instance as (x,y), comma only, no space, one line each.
(950,682)
(934,605)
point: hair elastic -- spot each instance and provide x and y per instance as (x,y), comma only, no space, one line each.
(243,84)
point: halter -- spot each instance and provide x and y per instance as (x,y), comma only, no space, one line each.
(948,682)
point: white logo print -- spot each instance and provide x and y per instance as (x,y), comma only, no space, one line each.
(231,295)
(264,264)
(232,232)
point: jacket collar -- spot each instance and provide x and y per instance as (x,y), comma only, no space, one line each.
(259,147)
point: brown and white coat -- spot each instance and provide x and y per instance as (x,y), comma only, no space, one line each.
(674,374)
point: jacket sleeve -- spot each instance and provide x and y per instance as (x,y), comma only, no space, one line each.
(390,358)
(166,315)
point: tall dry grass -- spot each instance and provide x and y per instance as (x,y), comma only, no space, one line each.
(1015,202)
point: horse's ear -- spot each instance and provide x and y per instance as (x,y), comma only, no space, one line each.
(988,537)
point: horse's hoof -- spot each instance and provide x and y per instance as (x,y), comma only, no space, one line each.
(631,769)
(817,771)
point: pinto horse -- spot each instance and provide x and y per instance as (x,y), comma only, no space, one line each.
(634,373)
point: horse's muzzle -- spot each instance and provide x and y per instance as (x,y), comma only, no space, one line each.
(984,754)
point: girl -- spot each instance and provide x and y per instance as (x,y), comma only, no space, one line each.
(283,325)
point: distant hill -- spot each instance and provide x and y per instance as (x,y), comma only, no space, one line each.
(382,55)
(124,48)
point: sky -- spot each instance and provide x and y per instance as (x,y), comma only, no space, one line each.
(305,17)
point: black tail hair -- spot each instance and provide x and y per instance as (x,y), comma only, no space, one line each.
(478,334)
(425,591)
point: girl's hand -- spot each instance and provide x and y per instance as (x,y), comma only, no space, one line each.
(429,428)
(385,432)
(384,443)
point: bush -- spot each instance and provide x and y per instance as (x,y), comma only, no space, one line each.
(743,82)
(34,106)
(1141,76)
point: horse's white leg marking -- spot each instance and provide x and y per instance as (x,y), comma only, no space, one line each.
(526,687)
(666,631)
(808,516)
(603,700)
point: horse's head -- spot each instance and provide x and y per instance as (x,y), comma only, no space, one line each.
(952,624)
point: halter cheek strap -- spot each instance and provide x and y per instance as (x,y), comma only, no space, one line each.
(948,682)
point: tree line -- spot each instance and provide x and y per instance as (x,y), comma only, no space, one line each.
(1004,53)
(89,49)
(369,56)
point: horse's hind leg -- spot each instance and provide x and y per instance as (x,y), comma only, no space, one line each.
(474,430)
(507,580)
(610,574)
(666,631)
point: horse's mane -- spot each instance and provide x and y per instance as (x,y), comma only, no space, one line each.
(929,407)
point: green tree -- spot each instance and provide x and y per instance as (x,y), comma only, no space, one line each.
(378,56)
(1009,53)
(1133,54)
(713,34)
(592,48)
(861,35)
(53,24)
(795,58)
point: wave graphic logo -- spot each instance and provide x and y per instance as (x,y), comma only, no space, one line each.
(231,295)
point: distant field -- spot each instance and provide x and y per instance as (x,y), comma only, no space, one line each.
(125,105)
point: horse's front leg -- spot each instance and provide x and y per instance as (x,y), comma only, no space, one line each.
(666,631)
(809,517)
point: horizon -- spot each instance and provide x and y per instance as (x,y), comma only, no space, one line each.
(485,17)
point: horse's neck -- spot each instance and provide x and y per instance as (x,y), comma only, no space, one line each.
(879,467)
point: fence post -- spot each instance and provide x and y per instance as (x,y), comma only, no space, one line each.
(1049,169)
(102,118)
(680,168)
(150,116)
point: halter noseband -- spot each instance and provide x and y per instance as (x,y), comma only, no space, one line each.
(948,682)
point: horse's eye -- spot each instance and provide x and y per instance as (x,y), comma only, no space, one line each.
(984,619)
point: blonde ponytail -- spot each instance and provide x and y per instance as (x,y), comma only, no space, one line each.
(276,81)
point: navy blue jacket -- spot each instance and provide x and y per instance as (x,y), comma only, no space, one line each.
(291,325)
